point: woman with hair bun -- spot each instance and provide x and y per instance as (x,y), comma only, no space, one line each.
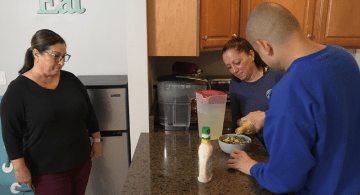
(46,119)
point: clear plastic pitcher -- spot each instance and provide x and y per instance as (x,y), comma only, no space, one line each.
(211,106)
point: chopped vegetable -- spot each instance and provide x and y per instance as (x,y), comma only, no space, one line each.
(235,140)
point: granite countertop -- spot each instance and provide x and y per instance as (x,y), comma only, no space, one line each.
(166,162)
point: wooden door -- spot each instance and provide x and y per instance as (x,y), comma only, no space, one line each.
(339,23)
(173,27)
(303,10)
(219,23)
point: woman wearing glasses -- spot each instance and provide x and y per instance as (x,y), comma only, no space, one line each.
(46,118)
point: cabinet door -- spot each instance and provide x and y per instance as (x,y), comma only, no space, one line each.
(303,10)
(173,27)
(219,22)
(339,23)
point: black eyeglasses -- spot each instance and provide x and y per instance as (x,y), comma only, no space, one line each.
(58,57)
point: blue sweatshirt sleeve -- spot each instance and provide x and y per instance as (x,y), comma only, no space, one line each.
(289,134)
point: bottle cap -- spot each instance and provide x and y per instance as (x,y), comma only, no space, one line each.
(205,130)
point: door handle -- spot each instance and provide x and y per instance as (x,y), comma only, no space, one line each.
(7,167)
(16,188)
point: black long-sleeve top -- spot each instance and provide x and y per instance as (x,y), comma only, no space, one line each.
(49,128)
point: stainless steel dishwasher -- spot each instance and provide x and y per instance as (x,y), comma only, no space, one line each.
(108,95)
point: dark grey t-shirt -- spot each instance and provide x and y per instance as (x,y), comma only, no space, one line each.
(249,97)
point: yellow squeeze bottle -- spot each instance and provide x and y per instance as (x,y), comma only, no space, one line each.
(246,126)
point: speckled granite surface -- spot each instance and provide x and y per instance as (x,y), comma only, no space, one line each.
(165,162)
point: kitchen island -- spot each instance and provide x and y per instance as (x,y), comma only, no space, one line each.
(166,162)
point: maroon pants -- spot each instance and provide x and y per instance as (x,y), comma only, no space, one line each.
(70,182)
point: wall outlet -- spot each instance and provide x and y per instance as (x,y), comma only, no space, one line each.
(2,78)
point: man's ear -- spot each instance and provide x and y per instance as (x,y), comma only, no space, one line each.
(265,47)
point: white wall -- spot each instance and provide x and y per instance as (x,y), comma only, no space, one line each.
(95,39)
(109,38)
(356,54)
(137,69)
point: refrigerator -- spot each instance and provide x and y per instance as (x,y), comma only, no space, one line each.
(109,97)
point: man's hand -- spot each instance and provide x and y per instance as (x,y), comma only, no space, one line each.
(241,161)
(257,118)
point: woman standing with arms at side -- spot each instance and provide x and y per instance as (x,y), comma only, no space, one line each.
(253,80)
(46,118)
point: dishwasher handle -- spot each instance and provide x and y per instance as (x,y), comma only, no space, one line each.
(112,133)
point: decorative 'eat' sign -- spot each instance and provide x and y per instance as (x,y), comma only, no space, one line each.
(71,7)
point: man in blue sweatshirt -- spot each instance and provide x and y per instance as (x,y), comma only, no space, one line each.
(312,127)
